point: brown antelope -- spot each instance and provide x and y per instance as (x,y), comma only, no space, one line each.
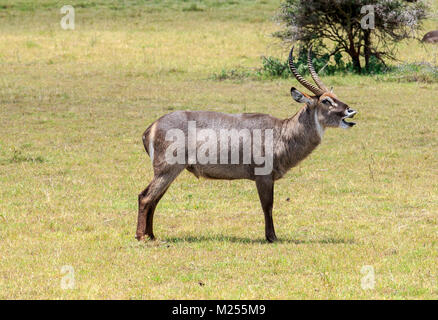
(431,37)
(173,144)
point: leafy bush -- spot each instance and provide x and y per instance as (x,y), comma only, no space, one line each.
(376,67)
(341,23)
(274,67)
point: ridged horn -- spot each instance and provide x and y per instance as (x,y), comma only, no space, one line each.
(313,72)
(300,79)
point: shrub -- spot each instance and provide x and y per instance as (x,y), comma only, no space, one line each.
(275,68)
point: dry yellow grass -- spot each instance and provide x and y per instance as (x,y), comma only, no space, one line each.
(73,106)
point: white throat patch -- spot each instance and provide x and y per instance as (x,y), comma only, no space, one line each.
(319,128)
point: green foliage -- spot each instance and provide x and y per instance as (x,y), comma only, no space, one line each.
(408,72)
(273,68)
(276,68)
(375,66)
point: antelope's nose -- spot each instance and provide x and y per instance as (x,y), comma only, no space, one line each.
(350,112)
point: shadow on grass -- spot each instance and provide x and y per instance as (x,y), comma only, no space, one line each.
(232,239)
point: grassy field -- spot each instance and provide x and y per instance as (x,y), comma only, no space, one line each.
(74,105)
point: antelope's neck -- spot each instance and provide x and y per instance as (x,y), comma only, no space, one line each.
(301,134)
(319,128)
(304,128)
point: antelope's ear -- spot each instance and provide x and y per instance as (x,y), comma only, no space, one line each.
(300,97)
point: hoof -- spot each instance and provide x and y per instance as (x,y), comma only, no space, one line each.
(139,237)
(271,239)
(151,237)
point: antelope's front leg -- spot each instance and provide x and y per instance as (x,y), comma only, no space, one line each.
(265,189)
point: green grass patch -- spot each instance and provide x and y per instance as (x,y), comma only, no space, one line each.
(19,156)
(413,72)
(72,163)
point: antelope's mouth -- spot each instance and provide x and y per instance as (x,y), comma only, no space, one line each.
(345,124)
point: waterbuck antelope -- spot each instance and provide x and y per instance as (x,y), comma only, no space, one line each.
(173,144)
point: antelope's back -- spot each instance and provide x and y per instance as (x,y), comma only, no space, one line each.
(215,131)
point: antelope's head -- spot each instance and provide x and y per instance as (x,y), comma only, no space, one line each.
(329,110)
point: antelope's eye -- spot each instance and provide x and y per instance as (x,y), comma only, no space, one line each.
(326,101)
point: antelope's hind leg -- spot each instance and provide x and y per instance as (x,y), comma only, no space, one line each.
(149,198)
(150,216)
